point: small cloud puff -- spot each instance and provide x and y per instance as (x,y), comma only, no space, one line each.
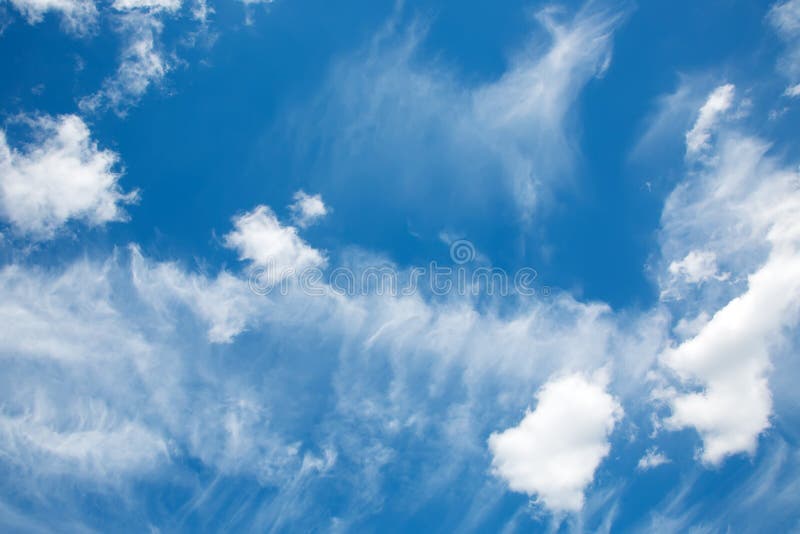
(307,209)
(698,266)
(652,459)
(260,238)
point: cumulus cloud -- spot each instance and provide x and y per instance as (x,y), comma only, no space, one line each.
(719,101)
(740,206)
(554,451)
(730,356)
(307,209)
(77,16)
(59,176)
(260,238)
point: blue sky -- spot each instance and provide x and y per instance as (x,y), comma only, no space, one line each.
(297,265)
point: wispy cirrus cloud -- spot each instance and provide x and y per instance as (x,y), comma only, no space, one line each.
(142,65)
(785,19)
(388,112)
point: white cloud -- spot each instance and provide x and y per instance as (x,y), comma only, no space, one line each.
(61,175)
(77,16)
(652,459)
(260,238)
(142,64)
(698,266)
(151,5)
(793,91)
(104,380)
(41,310)
(741,206)
(65,420)
(132,340)
(85,438)
(554,451)
(508,138)
(719,101)
(121,362)
(691,327)
(225,303)
(730,357)
(307,209)
(785,18)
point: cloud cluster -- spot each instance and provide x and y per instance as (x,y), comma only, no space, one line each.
(740,208)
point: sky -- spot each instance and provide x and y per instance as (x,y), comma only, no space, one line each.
(391,266)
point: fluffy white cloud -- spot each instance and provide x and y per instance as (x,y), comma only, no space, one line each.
(741,206)
(719,101)
(307,209)
(260,238)
(554,451)
(730,357)
(77,16)
(61,175)
(142,64)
